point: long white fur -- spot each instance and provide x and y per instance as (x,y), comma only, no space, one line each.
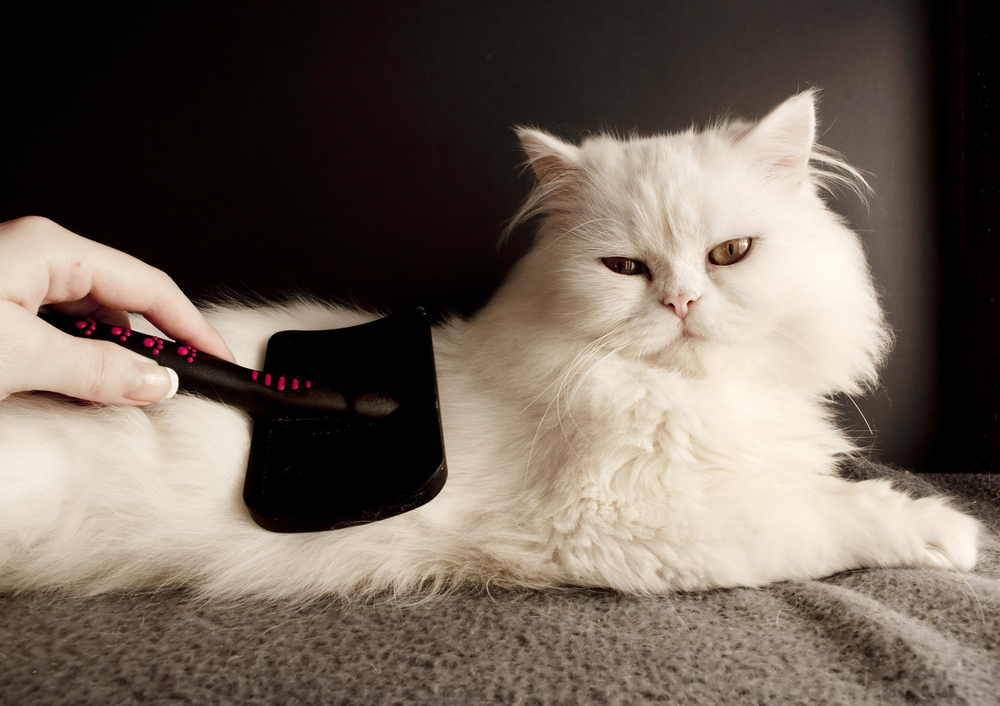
(588,441)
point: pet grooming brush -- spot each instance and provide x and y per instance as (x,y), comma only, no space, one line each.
(346,425)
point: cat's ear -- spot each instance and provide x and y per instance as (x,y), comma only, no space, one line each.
(553,161)
(782,142)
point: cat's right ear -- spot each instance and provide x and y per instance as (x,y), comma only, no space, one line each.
(552,160)
(557,166)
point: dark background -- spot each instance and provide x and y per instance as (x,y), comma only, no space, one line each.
(363,151)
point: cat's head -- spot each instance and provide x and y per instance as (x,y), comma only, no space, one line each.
(709,251)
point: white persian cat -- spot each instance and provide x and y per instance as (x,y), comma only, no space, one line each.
(643,405)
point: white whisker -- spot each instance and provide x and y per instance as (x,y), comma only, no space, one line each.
(563,235)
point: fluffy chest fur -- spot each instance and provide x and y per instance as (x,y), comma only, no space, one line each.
(594,456)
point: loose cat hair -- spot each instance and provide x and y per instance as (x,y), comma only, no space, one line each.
(643,405)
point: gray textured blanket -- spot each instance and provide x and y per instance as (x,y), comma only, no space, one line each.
(879,636)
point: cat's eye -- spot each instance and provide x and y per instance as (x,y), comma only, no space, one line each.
(730,252)
(625,266)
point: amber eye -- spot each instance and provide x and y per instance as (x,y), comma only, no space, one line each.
(730,252)
(625,266)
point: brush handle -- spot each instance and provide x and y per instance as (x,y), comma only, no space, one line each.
(217,379)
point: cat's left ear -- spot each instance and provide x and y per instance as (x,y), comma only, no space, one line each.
(782,142)
(552,160)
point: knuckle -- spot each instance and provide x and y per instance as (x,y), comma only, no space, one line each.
(31,231)
(33,226)
(34,222)
(166,281)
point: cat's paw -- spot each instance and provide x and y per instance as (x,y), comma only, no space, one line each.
(888,528)
(949,538)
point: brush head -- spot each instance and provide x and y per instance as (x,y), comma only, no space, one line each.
(346,427)
(381,455)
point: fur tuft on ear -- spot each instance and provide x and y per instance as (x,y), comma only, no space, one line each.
(782,142)
(549,157)
(556,165)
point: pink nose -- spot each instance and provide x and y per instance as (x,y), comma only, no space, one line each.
(680,303)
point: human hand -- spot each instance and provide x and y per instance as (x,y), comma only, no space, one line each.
(43,264)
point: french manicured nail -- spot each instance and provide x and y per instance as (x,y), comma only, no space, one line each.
(155,384)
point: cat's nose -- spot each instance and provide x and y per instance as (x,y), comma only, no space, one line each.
(680,303)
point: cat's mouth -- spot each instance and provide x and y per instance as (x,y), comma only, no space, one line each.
(663,341)
(686,334)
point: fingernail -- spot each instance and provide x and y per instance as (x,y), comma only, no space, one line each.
(155,384)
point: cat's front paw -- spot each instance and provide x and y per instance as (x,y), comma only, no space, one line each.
(888,528)
(949,537)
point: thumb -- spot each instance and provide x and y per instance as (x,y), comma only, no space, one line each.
(103,372)
(92,370)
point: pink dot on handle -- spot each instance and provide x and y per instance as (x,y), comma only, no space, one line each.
(124,338)
(281,383)
(253,375)
(295,384)
(267,379)
(86,333)
(148,342)
(308,384)
(156,352)
(115,331)
(182,350)
(81,324)
(190,360)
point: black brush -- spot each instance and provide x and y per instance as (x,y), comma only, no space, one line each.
(346,423)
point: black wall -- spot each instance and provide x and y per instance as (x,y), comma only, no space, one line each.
(363,151)
(970,248)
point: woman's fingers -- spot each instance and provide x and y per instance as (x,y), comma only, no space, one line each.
(41,357)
